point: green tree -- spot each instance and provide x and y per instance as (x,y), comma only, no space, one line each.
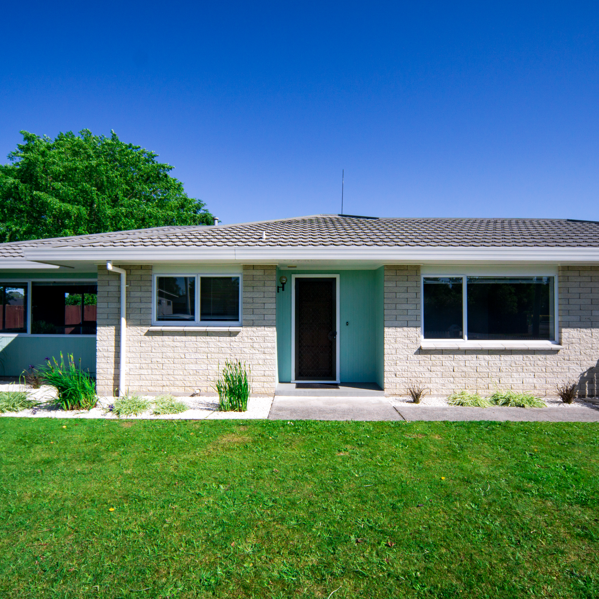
(81,184)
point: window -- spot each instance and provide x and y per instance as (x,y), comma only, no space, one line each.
(219,297)
(217,300)
(63,308)
(443,308)
(496,308)
(13,307)
(510,308)
(175,300)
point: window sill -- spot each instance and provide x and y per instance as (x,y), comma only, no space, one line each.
(494,345)
(233,329)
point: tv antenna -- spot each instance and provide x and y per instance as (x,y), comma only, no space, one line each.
(342,185)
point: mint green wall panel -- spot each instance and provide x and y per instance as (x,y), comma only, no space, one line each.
(17,353)
(359,297)
(379,316)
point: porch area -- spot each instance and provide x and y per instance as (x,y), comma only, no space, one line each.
(330,331)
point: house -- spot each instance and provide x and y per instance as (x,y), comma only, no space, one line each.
(451,303)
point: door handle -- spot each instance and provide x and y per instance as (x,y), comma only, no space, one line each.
(332,335)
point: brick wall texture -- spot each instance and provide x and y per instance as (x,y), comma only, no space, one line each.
(445,371)
(183,361)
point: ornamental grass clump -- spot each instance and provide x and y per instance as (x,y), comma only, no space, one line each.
(567,391)
(167,404)
(76,388)
(468,400)
(512,399)
(15,401)
(233,388)
(33,377)
(130,405)
(416,392)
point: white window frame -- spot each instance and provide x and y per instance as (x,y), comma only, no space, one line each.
(197,322)
(506,275)
(29,283)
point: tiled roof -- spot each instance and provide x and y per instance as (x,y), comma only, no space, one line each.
(337,230)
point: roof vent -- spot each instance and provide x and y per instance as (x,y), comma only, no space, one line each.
(263,235)
(216,221)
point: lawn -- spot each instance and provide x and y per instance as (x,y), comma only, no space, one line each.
(298,509)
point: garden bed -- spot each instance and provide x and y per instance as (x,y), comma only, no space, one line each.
(197,407)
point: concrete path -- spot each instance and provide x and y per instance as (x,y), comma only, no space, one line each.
(381,408)
(332,408)
(562,414)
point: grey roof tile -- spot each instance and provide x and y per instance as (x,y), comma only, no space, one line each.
(337,230)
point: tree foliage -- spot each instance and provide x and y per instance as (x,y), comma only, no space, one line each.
(82,184)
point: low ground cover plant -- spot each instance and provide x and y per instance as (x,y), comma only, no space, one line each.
(15,401)
(499,398)
(516,400)
(468,399)
(130,405)
(567,391)
(76,388)
(233,387)
(167,404)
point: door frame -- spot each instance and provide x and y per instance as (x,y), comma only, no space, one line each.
(337,325)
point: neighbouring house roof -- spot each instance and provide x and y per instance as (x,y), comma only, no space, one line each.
(16,249)
(385,238)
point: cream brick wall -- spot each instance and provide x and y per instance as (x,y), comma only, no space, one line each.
(182,362)
(443,371)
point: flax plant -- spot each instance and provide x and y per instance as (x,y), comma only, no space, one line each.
(76,388)
(233,387)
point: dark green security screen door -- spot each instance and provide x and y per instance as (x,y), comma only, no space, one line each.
(315,329)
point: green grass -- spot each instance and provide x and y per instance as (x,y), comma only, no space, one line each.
(277,510)
(516,400)
(467,399)
(130,405)
(167,404)
(15,401)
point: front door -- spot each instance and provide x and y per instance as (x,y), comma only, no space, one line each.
(315,329)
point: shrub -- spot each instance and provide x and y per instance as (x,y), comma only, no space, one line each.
(233,388)
(15,401)
(516,400)
(167,404)
(467,399)
(76,388)
(416,392)
(32,377)
(567,391)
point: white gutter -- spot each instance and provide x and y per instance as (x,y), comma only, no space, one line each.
(21,264)
(123,347)
(398,255)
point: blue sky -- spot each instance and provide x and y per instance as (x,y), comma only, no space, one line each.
(433,109)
